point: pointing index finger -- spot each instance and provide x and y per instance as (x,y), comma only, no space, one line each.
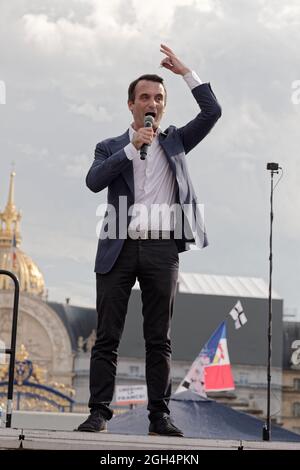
(166,49)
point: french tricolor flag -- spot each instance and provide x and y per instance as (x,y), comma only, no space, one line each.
(211,370)
(215,359)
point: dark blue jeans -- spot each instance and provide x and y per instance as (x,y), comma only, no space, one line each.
(155,264)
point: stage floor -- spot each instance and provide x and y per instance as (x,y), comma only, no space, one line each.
(68,440)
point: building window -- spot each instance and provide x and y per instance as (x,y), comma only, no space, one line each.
(297,384)
(134,371)
(243,378)
(296,410)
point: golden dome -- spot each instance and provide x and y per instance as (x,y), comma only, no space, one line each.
(11,257)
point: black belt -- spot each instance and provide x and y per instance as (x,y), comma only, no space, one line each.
(151,234)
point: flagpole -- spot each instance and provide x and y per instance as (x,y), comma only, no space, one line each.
(267,426)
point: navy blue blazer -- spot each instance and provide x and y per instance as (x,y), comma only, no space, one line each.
(112,169)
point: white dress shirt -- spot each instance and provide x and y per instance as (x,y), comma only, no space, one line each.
(154,182)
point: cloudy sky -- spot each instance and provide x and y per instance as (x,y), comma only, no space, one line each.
(66,65)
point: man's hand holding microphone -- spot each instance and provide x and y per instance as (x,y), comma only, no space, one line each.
(143,137)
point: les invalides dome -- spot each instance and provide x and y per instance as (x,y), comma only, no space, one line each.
(12,258)
(43,327)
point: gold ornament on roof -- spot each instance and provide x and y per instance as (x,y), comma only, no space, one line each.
(22,354)
(11,257)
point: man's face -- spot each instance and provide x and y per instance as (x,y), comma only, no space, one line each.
(149,97)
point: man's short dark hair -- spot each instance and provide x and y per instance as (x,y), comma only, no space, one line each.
(151,78)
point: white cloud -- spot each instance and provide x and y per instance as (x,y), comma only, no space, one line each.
(75,166)
(27,105)
(106,23)
(96,113)
(68,37)
(59,242)
(45,34)
(33,152)
(73,61)
(276,14)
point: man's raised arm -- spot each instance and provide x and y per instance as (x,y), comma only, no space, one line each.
(198,128)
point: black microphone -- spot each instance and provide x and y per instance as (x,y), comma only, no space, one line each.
(148,122)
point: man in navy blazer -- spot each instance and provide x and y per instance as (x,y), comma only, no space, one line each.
(152,215)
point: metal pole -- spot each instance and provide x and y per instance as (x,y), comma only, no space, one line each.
(267,426)
(12,350)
